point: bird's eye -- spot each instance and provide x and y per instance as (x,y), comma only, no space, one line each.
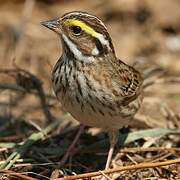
(76,30)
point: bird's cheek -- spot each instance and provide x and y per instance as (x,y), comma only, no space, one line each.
(88,49)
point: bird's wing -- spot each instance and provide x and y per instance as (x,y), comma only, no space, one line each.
(131,82)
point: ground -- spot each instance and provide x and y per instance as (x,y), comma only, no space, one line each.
(33,128)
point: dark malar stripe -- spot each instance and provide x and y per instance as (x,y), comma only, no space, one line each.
(100,47)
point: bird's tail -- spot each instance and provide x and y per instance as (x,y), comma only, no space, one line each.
(149,71)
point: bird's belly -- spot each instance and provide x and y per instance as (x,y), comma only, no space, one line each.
(98,115)
(99,108)
(105,122)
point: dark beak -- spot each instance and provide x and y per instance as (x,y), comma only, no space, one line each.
(53,24)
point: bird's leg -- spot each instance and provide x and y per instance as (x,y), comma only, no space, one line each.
(71,147)
(113,137)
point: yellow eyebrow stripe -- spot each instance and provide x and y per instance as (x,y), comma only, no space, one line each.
(84,26)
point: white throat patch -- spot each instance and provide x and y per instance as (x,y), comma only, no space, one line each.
(78,54)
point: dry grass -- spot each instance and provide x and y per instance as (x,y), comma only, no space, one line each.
(34,134)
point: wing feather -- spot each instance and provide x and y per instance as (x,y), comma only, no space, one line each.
(131,82)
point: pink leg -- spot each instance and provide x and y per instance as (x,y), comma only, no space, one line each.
(109,158)
(113,137)
(71,147)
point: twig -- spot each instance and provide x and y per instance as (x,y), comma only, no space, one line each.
(131,137)
(70,149)
(104,176)
(26,82)
(25,78)
(139,149)
(161,157)
(119,169)
(170,115)
(29,142)
(11,86)
(15,87)
(44,104)
(7,145)
(17,175)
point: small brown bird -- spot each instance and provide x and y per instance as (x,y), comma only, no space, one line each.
(92,84)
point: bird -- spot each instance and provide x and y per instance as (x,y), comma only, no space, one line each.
(90,81)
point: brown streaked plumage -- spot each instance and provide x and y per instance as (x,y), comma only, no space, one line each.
(92,84)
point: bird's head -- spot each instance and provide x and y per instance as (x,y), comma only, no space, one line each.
(85,36)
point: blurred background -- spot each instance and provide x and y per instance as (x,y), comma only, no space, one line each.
(145,32)
(141,31)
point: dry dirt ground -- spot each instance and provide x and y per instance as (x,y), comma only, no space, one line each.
(32,129)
